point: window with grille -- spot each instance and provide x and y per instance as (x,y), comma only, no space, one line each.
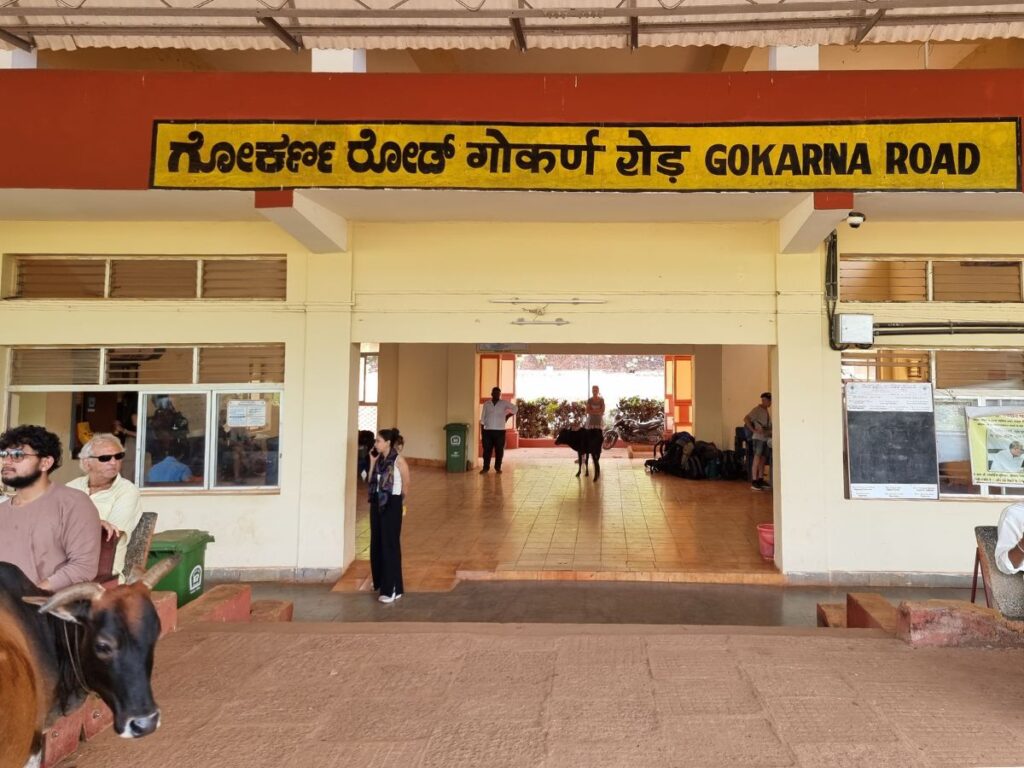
(145,366)
(144,277)
(921,278)
(962,378)
(190,417)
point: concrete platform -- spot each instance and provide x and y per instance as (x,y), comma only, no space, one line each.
(548,696)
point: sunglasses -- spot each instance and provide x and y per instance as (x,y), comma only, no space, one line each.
(119,455)
(16,454)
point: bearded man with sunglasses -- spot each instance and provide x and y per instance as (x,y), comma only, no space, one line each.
(51,532)
(117,498)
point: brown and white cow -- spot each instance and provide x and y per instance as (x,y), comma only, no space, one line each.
(57,648)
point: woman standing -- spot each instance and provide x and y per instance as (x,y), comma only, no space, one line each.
(389,482)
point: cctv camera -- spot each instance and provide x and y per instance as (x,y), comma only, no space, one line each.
(855,219)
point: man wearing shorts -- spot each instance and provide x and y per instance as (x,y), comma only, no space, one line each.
(759,422)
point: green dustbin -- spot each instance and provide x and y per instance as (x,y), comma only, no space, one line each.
(188,578)
(456,437)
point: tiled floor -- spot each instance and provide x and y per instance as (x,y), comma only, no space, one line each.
(538,521)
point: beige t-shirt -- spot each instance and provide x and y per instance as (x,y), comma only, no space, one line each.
(121,506)
(55,537)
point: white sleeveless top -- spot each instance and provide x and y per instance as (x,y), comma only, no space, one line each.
(396,488)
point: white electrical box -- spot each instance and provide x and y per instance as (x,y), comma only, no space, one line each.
(855,329)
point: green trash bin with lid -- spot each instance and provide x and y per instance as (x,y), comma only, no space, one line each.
(189,577)
(456,437)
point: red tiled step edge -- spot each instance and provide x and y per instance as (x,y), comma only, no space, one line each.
(831,614)
(868,610)
(223,603)
(953,623)
(271,611)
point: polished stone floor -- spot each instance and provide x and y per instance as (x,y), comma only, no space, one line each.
(536,520)
(583,603)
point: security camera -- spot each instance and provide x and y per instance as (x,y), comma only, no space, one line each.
(855,219)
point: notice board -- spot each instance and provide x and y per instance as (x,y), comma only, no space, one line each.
(890,441)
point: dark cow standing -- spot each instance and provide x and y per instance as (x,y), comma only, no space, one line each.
(587,444)
(56,648)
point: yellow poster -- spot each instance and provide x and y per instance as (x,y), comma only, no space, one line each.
(996,439)
(963,155)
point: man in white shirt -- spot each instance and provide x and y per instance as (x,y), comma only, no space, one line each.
(493,415)
(1010,544)
(1010,459)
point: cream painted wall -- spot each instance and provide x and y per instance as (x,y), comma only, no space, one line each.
(435,386)
(661,283)
(387,386)
(422,399)
(707,394)
(746,373)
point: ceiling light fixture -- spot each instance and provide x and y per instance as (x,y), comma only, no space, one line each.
(573,301)
(524,321)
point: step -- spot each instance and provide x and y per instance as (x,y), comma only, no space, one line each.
(831,614)
(956,624)
(223,603)
(869,610)
(270,611)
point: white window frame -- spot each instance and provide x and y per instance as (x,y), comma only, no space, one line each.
(209,459)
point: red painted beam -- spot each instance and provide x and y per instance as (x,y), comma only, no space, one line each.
(93,130)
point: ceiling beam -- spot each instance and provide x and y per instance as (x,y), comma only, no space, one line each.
(518,34)
(863,31)
(11,39)
(281,33)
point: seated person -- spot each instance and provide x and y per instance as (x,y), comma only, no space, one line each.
(1010,459)
(117,499)
(170,469)
(1010,544)
(51,532)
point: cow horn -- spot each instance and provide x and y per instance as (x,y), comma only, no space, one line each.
(154,575)
(88,590)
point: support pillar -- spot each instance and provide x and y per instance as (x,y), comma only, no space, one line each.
(338,60)
(798,415)
(330,424)
(17,59)
(793,58)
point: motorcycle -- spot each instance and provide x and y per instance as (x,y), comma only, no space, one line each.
(632,431)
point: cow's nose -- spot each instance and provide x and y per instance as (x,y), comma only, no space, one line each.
(143,726)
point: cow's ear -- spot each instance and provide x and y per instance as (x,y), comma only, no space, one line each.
(75,613)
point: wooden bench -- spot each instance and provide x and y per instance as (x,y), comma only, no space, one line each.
(1007,592)
(138,551)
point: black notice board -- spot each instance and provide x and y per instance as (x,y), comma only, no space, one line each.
(891,451)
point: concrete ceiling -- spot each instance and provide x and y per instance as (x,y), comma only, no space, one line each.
(451,205)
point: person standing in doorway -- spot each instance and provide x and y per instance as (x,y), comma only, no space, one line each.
(595,409)
(493,415)
(759,422)
(389,483)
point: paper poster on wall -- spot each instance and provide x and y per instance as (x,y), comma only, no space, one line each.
(996,439)
(890,441)
(247,413)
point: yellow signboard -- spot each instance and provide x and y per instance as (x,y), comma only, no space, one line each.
(961,155)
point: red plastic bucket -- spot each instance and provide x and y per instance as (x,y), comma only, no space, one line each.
(766,540)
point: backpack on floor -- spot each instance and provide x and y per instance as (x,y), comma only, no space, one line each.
(732,468)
